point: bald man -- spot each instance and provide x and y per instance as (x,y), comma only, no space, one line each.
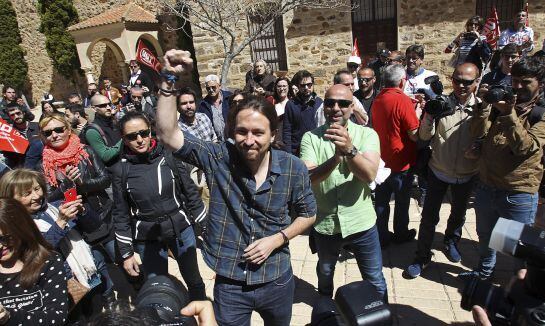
(448,167)
(343,159)
(102,135)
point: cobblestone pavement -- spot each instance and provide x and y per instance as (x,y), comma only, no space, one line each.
(432,299)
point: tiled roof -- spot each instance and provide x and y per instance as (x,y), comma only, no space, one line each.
(130,12)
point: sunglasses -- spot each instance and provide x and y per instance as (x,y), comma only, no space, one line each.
(58,130)
(308,85)
(464,82)
(330,103)
(134,135)
(5,239)
(363,79)
(102,106)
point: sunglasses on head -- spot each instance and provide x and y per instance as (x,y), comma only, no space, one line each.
(134,135)
(330,103)
(5,239)
(464,82)
(58,130)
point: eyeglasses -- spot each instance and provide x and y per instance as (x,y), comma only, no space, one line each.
(103,105)
(58,130)
(307,85)
(134,135)
(363,79)
(464,82)
(5,239)
(330,103)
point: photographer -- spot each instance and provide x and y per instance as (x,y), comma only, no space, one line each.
(470,46)
(446,123)
(511,167)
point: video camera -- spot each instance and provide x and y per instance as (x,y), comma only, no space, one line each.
(357,303)
(524,304)
(499,93)
(160,299)
(437,107)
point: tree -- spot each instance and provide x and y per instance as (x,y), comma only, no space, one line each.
(56,16)
(226,19)
(13,67)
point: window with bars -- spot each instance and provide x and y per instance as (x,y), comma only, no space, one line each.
(374,24)
(506,10)
(271,45)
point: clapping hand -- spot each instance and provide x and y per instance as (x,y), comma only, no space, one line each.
(338,135)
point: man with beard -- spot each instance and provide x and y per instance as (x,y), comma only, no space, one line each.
(300,113)
(255,194)
(110,92)
(343,158)
(366,92)
(510,166)
(195,123)
(75,114)
(450,137)
(9,96)
(28,129)
(102,135)
(215,104)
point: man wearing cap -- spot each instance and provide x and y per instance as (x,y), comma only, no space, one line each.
(215,104)
(353,65)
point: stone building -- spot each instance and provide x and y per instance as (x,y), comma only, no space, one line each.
(317,40)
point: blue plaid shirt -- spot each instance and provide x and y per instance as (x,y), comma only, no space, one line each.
(239,214)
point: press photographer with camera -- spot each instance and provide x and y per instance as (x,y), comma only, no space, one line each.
(470,45)
(446,123)
(510,166)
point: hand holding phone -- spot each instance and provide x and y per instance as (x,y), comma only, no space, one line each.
(70,195)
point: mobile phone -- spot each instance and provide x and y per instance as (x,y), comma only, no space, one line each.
(70,195)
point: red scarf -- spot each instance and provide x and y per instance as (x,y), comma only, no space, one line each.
(57,160)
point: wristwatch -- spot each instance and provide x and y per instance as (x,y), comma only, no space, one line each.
(353,152)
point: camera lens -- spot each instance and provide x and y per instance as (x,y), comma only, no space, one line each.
(488,296)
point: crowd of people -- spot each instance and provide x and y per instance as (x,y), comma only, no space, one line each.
(151,169)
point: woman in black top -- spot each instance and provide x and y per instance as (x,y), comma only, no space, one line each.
(33,282)
(154,201)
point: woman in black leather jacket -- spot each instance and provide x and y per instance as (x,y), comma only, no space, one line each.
(155,201)
(68,164)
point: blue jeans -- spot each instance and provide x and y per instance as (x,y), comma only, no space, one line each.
(490,205)
(154,256)
(430,214)
(98,252)
(234,301)
(399,184)
(366,247)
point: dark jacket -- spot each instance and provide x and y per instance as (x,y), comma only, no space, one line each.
(142,80)
(152,200)
(265,81)
(299,118)
(479,54)
(95,180)
(206,108)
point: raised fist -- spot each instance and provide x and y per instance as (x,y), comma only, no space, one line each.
(177,62)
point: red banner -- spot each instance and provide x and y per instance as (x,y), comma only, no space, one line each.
(145,56)
(355,49)
(492,28)
(527,15)
(11,140)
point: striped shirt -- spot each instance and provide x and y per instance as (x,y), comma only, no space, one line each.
(240,214)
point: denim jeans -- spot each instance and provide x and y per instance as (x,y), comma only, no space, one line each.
(99,251)
(154,256)
(366,247)
(398,183)
(430,214)
(234,301)
(491,204)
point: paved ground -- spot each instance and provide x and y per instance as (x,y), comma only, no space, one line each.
(432,299)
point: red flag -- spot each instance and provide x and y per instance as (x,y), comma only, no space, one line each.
(492,28)
(355,49)
(10,139)
(144,55)
(527,16)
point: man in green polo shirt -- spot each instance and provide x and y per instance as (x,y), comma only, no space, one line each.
(343,158)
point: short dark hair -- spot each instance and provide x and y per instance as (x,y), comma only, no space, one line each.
(258,104)
(77,108)
(300,75)
(338,74)
(476,20)
(72,95)
(417,49)
(511,48)
(105,78)
(132,115)
(187,91)
(529,67)
(6,87)
(13,106)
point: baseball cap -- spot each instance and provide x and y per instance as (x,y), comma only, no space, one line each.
(354,59)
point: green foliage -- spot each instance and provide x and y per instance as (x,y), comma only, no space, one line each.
(13,67)
(56,16)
